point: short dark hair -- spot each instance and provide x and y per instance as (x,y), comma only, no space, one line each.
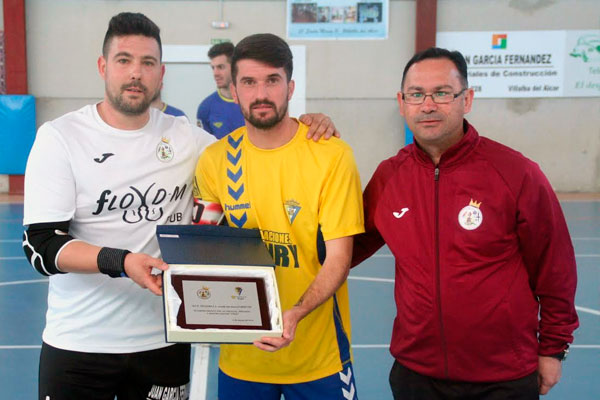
(435,52)
(266,48)
(221,49)
(127,23)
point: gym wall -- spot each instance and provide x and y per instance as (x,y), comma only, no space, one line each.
(353,81)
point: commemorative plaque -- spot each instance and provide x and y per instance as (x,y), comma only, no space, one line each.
(221,302)
(220,286)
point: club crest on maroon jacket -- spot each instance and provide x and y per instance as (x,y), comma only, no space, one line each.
(471,217)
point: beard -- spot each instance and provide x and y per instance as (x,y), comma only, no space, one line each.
(268,123)
(131,108)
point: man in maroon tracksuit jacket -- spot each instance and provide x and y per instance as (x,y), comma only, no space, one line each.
(485,268)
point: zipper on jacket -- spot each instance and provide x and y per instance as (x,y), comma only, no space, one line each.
(437,267)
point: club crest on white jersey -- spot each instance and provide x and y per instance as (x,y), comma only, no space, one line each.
(164,150)
(471,217)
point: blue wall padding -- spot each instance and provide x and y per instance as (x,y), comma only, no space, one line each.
(408,135)
(17,132)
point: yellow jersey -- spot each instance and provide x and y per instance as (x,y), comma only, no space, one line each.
(298,195)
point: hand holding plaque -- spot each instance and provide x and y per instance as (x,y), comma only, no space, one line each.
(291,318)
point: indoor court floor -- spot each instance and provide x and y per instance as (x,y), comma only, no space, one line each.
(23,295)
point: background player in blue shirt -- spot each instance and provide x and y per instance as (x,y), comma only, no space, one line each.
(218,114)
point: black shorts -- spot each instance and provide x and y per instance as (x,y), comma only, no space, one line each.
(407,384)
(145,375)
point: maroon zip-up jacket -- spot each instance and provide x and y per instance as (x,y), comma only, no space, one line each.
(481,246)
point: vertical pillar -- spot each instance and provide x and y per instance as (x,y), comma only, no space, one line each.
(426,28)
(426,24)
(15,49)
(15,67)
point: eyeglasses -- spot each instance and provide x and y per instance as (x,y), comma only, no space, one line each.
(439,97)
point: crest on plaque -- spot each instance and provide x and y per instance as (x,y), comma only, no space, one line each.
(204,293)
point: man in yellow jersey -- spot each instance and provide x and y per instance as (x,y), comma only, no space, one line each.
(305,197)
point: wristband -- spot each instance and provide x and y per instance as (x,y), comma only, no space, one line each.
(112,262)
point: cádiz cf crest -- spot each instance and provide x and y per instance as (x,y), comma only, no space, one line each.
(164,150)
(470,217)
(238,294)
(292,208)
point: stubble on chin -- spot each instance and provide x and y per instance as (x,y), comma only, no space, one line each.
(130,108)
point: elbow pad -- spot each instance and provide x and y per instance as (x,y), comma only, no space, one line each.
(43,242)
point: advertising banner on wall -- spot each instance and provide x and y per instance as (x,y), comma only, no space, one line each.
(504,64)
(337,19)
